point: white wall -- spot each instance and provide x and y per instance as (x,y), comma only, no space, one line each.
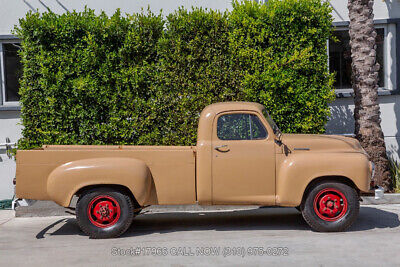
(383,9)
(12,10)
(342,109)
(9,127)
(342,120)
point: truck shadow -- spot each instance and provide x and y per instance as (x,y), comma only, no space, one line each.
(255,219)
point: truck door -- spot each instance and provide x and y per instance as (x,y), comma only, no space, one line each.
(243,160)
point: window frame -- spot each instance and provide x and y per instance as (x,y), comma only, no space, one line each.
(247,112)
(389,84)
(3,101)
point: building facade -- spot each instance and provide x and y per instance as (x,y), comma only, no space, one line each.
(387,21)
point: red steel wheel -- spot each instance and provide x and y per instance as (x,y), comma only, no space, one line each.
(330,204)
(104,211)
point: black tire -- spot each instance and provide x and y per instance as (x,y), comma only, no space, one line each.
(96,228)
(317,216)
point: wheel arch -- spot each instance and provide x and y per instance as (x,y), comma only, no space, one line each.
(325,179)
(118,187)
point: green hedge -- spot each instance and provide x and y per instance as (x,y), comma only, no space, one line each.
(144,78)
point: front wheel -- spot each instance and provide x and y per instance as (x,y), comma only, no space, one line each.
(331,207)
(104,212)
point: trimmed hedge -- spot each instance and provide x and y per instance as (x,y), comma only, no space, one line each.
(143,79)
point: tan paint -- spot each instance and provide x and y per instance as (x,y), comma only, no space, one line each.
(297,170)
(263,172)
(246,159)
(47,174)
(68,178)
(309,157)
(205,133)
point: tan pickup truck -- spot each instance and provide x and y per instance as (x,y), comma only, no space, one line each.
(241,157)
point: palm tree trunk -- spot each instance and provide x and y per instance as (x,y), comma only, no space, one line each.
(365,84)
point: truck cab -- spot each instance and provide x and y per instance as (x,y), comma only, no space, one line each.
(236,158)
(243,158)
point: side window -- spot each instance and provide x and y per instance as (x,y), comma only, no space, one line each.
(11,71)
(240,126)
(257,128)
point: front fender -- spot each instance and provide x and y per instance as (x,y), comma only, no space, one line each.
(297,170)
(64,181)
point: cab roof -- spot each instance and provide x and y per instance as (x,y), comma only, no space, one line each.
(228,106)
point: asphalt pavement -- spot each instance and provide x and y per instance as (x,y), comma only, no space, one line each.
(238,237)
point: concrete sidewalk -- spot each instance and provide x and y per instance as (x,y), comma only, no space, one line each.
(6,215)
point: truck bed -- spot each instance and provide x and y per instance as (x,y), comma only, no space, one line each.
(172,168)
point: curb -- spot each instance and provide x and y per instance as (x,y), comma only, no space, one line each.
(387,199)
(41,209)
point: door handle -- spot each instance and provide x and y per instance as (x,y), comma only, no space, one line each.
(223,148)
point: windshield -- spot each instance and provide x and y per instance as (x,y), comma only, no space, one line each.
(271,122)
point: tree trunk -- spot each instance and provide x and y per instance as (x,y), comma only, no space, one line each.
(365,84)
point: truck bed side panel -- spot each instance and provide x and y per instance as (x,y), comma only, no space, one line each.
(172,169)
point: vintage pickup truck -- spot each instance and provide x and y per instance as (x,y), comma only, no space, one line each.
(241,157)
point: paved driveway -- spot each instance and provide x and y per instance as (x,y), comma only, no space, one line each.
(275,235)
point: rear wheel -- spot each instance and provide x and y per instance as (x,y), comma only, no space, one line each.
(331,207)
(104,212)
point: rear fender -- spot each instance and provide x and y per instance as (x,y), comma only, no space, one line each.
(69,178)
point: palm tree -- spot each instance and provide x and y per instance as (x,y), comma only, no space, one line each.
(365,84)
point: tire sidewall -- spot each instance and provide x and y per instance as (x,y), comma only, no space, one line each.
(114,230)
(342,223)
